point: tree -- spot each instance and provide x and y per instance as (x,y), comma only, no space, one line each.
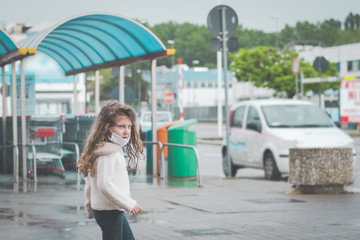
(166,32)
(266,67)
(248,38)
(192,42)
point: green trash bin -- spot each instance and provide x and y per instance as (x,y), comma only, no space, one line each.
(182,161)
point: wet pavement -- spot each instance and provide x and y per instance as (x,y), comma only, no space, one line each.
(239,208)
(244,207)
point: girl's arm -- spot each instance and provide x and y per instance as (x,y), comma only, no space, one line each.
(87,204)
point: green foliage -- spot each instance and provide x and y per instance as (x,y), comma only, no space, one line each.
(266,67)
(352,22)
(192,42)
(252,38)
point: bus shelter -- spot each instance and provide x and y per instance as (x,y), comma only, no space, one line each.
(10,52)
(89,42)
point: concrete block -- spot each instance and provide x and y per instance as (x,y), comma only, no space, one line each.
(321,170)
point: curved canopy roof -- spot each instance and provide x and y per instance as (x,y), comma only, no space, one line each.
(9,50)
(93,41)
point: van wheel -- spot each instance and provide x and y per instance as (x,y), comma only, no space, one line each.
(233,169)
(270,168)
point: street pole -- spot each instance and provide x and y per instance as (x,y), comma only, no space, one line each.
(180,91)
(296,86)
(320,82)
(4,115)
(224,49)
(219,109)
(302,84)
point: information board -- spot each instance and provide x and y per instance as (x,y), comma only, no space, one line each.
(350,101)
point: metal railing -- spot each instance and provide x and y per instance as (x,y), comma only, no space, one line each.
(162,146)
(33,149)
(77,156)
(162,170)
(196,155)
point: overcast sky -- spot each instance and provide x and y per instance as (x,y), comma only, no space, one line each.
(252,14)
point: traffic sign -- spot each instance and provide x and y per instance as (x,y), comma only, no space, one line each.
(295,66)
(321,64)
(214,20)
(169,97)
(129,94)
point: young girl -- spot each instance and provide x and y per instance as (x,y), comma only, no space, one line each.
(104,167)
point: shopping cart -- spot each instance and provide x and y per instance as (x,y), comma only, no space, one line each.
(46,134)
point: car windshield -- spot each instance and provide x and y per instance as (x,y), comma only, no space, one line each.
(160,117)
(295,116)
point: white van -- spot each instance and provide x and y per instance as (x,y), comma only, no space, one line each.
(162,118)
(262,132)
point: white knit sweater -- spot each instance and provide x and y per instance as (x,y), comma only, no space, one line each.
(109,189)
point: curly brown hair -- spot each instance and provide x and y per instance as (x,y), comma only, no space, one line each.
(98,136)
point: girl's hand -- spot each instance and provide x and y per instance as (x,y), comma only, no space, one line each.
(136,210)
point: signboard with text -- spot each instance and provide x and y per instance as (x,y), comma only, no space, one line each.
(350,101)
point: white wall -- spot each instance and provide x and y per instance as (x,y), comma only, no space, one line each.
(341,54)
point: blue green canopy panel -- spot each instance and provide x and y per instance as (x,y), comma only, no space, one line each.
(93,41)
(9,50)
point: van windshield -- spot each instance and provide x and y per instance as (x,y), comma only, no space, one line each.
(295,116)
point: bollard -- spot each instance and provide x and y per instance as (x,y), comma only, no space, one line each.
(321,170)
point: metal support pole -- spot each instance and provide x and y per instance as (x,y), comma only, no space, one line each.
(75,106)
(97,92)
(224,49)
(296,86)
(302,84)
(219,107)
(34,162)
(122,84)
(181,107)
(320,70)
(153,109)
(4,115)
(14,123)
(23,122)
(16,160)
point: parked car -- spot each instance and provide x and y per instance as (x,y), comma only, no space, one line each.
(262,132)
(162,118)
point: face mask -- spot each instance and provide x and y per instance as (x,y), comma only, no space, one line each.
(118,140)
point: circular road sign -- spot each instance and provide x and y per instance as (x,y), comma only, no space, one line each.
(321,64)
(214,20)
(169,97)
(295,66)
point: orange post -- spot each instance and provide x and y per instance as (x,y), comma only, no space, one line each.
(162,136)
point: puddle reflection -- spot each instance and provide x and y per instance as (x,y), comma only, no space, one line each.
(150,216)
(170,182)
(22,187)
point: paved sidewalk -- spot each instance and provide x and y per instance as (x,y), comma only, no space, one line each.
(223,209)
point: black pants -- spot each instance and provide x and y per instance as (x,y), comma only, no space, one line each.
(113,224)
